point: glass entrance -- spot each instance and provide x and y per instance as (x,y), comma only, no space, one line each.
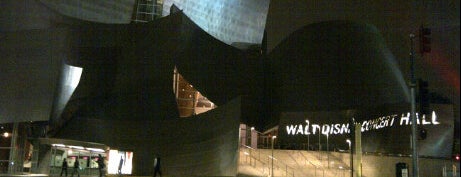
(87,158)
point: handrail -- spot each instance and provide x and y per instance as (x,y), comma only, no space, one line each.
(305,158)
(289,171)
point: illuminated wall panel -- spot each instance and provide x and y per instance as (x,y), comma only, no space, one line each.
(227,20)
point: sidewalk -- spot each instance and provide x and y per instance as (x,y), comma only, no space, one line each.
(39,175)
(45,175)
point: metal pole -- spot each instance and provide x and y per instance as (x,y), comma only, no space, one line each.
(272,157)
(352,148)
(320,147)
(413,109)
(13,150)
(328,153)
(350,154)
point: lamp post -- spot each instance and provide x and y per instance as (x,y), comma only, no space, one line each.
(251,138)
(349,142)
(350,153)
(272,158)
(413,109)
(320,147)
(328,153)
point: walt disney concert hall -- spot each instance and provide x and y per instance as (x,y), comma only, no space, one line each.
(192,82)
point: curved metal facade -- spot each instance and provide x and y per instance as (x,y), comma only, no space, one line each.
(125,97)
(334,65)
(125,100)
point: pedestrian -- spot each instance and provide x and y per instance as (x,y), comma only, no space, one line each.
(120,166)
(101,164)
(64,167)
(76,167)
(157,166)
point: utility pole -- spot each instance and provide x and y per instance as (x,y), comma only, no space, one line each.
(414,145)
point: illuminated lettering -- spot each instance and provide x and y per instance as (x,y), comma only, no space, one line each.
(345,128)
(337,129)
(366,125)
(405,118)
(384,122)
(392,121)
(291,129)
(306,128)
(325,129)
(315,127)
(300,129)
(434,119)
(424,120)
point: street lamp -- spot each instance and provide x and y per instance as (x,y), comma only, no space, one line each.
(350,153)
(258,135)
(349,142)
(272,159)
(251,137)
(6,134)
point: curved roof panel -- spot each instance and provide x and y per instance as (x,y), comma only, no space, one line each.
(335,65)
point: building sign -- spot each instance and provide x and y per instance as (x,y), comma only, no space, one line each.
(367,125)
(385,129)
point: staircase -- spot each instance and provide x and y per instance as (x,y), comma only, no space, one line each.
(292,163)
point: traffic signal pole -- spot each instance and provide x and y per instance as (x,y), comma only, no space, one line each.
(413,108)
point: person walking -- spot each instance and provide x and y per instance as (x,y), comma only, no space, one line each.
(101,164)
(157,166)
(64,167)
(120,166)
(76,167)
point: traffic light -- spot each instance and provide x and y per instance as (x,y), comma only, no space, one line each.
(425,40)
(424,100)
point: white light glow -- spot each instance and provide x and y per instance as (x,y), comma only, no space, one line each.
(95,149)
(77,147)
(114,161)
(59,145)
(6,134)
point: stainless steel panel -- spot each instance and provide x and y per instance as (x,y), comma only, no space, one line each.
(227,20)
